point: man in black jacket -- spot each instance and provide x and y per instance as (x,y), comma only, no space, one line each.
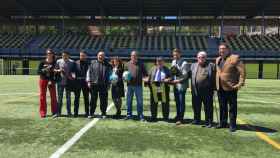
(81,72)
(98,81)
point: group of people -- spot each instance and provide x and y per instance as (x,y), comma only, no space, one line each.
(95,78)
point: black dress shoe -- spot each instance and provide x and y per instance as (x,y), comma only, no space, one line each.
(195,122)
(128,118)
(232,129)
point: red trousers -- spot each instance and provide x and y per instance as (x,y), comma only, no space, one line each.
(44,85)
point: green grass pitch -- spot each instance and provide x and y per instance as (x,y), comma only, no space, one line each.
(24,134)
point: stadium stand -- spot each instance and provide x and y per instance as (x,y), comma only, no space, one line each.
(243,44)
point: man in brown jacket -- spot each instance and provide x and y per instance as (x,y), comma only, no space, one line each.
(230,77)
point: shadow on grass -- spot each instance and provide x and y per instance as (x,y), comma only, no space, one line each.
(254,128)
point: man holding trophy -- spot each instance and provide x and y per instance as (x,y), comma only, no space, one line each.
(179,71)
(159,76)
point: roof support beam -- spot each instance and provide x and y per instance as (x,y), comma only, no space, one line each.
(259,9)
(65,9)
(220,7)
(24,7)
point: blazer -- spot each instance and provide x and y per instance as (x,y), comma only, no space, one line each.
(232,75)
(184,68)
(93,73)
(81,70)
(211,76)
(153,72)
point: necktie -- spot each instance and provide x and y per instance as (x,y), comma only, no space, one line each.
(158,77)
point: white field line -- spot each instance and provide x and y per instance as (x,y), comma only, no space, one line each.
(77,136)
(258,101)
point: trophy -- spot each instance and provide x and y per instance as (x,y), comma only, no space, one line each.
(176,75)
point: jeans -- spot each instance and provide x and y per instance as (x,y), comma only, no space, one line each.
(138,90)
(60,90)
(180,103)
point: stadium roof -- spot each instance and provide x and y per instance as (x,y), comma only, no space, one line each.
(248,8)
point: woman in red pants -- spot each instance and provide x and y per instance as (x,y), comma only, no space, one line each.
(47,81)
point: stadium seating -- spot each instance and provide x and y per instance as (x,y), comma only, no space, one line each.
(134,42)
(253,43)
(11,40)
(149,44)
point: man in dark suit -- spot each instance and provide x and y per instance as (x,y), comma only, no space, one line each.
(98,81)
(230,77)
(159,76)
(81,71)
(203,85)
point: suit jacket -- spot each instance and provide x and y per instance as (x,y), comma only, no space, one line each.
(211,76)
(184,68)
(232,75)
(65,78)
(81,70)
(93,73)
(153,72)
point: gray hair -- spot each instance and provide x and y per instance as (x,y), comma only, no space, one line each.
(201,53)
(135,52)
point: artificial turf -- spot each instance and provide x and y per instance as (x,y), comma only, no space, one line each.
(24,134)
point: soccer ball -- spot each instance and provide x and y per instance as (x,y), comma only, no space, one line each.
(127,76)
(113,78)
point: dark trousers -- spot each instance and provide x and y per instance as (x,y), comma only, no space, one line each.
(102,92)
(60,90)
(228,98)
(84,88)
(118,105)
(207,99)
(180,104)
(154,105)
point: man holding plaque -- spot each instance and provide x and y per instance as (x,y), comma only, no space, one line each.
(159,76)
(179,71)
